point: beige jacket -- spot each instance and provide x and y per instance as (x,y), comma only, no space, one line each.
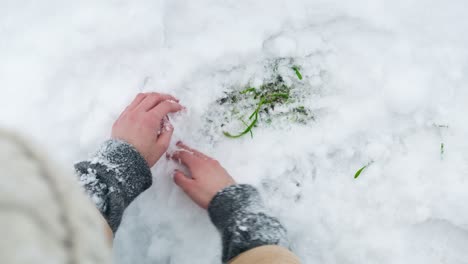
(266,255)
(44,215)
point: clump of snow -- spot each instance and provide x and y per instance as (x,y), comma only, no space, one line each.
(385,72)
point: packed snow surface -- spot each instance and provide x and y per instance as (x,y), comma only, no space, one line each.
(388,84)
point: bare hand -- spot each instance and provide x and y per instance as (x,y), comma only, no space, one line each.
(208,176)
(144,124)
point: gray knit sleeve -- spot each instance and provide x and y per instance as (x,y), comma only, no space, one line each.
(113,177)
(239,214)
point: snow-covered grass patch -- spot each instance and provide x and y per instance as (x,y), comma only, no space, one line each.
(279,98)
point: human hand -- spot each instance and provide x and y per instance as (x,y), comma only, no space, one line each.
(144,124)
(208,176)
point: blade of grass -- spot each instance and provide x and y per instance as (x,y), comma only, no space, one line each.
(247,130)
(260,104)
(251,133)
(278,95)
(251,89)
(298,73)
(359,172)
(361,169)
(442,150)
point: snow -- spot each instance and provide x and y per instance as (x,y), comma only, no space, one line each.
(387,76)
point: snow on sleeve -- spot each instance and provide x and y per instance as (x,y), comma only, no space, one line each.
(113,177)
(239,214)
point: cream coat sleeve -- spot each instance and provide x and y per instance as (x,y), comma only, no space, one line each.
(45,217)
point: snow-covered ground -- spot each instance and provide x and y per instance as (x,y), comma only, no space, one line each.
(389,82)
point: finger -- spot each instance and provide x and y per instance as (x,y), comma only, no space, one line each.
(194,151)
(184,182)
(136,101)
(166,107)
(152,100)
(165,124)
(164,139)
(186,158)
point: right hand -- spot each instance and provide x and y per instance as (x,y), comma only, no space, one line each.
(208,176)
(144,124)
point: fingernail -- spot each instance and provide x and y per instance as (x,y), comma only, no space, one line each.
(179,143)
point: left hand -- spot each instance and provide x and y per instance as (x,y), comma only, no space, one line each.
(208,177)
(144,124)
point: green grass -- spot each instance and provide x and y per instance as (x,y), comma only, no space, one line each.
(442,150)
(247,130)
(263,99)
(249,127)
(245,123)
(268,96)
(442,145)
(250,89)
(298,73)
(358,173)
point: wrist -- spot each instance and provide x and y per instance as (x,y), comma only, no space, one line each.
(231,200)
(113,177)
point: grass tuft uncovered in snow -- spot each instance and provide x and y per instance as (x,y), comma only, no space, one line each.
(279,97)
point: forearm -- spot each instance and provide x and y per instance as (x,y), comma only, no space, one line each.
(239,215)
(113,177)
